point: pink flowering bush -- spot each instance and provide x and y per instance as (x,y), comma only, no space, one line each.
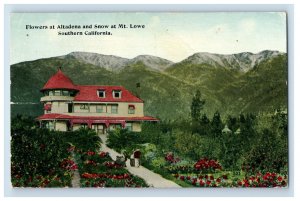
(206,165)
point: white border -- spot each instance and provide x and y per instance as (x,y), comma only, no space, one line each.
(145,192)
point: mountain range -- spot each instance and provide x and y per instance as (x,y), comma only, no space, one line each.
(230,84)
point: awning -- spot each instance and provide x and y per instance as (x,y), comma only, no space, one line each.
(132,107)
(53,116)
(47,107)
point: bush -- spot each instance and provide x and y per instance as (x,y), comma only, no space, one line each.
(83,139)
(123,139)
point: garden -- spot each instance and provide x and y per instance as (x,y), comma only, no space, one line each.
(249,150)
(43,158)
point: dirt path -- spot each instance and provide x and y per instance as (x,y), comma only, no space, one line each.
(152,179)
(76,180)
(76,176)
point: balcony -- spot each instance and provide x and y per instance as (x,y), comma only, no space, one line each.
(56,98)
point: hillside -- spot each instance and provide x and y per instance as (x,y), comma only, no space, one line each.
(167,93)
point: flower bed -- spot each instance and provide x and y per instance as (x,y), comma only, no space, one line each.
(99,170)
(208,173)
(60,177)
(258,180)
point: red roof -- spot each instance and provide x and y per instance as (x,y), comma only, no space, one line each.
(59,81)
(90,94)
(69,117)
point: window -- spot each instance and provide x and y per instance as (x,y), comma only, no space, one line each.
(50,125)
(65,93)
(72,93)
(84,107)
(57,93)
(128,126)
(116,93)
(114,109)
(70,108)
(100,109)
(85,126)
(51,93)
(101,93)
(47,107)
(131,109)
(113,127)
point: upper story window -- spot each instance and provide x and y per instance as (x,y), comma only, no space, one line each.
(114,109)
(101,108)
(57,92)
(117,93)
(101,93)
(131,109)
(65,93)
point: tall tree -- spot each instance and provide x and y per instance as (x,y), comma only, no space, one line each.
(197,106)
(216,125)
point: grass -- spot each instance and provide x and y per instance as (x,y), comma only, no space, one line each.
(166,175)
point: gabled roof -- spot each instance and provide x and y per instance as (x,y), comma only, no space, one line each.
(89,93)
(59,81)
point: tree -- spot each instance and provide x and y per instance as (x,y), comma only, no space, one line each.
(232,123)
(123,139)
(269,154)
(197,106)
(216,125)
(204,127)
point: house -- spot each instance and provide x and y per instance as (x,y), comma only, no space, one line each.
(69,107)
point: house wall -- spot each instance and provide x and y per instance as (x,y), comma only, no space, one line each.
(76,126)
(122,110)
(59,107)
(136,127)
(61,126)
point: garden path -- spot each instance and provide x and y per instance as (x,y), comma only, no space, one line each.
(152,179)
(76,179)
(76,176)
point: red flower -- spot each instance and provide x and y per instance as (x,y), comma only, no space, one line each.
(102,154)
(279,179)
(126,176)
(90,153)
(225,177)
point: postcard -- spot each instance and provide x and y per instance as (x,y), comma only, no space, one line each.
(149,99)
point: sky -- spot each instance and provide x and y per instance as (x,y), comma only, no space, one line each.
(173,36)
